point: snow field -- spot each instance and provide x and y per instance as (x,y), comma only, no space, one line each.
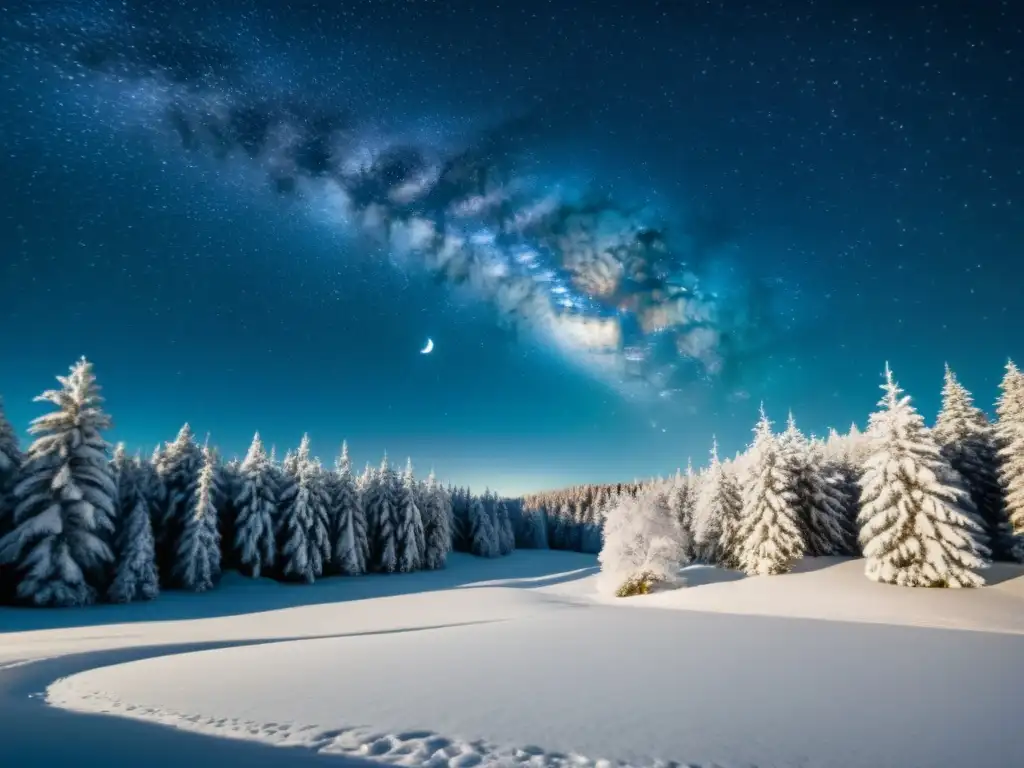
(541,670)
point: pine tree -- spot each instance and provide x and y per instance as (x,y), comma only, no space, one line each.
(351,547)
(534,527)
(379,504)
(229,480)
(179,467)
(64,498)
(135,576)
(917,524)
(437,524)
(967,442)
(409,524)
(303,524)
(682,503)
(818,495)
(1010,444)
(482,534)
(197,566)
(717,512)
(10,464)
(769,533)
(256,504)
(505,535)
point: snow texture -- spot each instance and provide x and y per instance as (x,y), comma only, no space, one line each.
(64,499)
(918,526)
(534,627)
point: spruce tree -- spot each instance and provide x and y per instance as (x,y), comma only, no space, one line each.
(409,534)
(379,504)
(717,512)
(917,524)
(179,467)
(967,442)
(302,527)
(351,547)
(135,576)
(65,498)
(481,530)
(769,533)
(437,524)
(1010,444)
(506,536)
(256,505)
(682,503)
(10,464)
(818,495)
(197,566)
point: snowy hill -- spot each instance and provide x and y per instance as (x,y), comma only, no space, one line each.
(518,661)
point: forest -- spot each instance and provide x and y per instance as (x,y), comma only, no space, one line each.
(81,521)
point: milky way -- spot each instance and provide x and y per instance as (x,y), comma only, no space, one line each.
(604,284)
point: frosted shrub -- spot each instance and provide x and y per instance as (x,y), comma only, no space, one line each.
(642,546)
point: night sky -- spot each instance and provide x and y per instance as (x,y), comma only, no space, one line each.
(623,224)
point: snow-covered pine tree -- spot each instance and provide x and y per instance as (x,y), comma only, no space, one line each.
(533,528)
(180,462)
(256,506)
(769,533)
(10,463)
(197,566)
(718,508)
(135,576)
(482,533)
(682,502)
(437,524)
(409,534)
(642,544)
(64,498)
(967,442)
(379,504)
(351,547)
(302,524)
(1010,444)
(917,524)
(505,535)
(818,495)
(229,481)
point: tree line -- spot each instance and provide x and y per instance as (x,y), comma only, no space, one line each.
(923,506)
(81,521)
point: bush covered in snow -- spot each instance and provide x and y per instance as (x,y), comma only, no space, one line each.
(643,545)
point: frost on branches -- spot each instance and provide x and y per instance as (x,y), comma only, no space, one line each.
(642,546)
(682,504)
(769,535)
(966,440)
(256,506)
(197,567)
(135,576)
(716,518)
(64,498)
(1010,442)
(351,547)
(917,524)
(483,537)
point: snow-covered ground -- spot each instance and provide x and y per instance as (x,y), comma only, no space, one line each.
(518,661)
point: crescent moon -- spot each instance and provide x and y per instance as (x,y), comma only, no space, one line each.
(429,348)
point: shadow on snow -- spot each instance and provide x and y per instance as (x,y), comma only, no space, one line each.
(237,595)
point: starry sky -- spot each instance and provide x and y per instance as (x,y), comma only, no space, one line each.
(623,224)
